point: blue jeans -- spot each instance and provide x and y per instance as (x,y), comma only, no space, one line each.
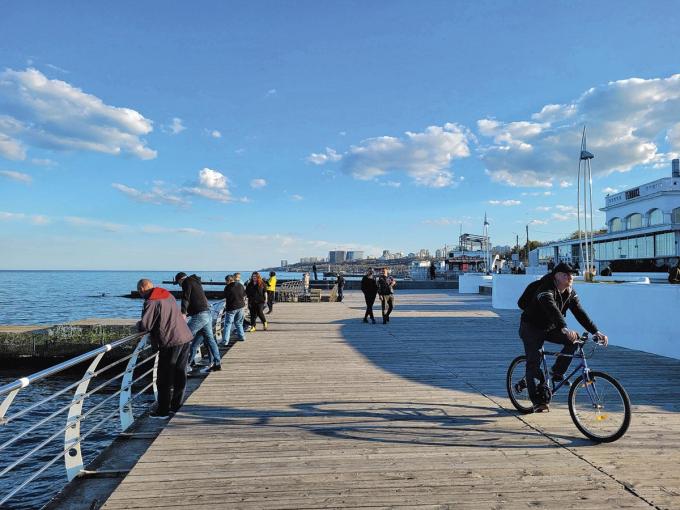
(235,318)
(200,326)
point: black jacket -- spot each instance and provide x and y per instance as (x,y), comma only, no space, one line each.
(368,286)
(235,296)
(255,293)
(193,297)
(548,308)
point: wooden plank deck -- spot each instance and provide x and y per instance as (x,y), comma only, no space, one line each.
(323,411)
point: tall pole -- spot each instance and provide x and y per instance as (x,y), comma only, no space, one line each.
(527,246)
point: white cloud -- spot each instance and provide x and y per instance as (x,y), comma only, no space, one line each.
(625,121)
(215,134)
(52,114)
(258,183)
(157,195)
(565,184)
(175,127)
(391,184)
(7,216)
(156,229)
(16,176)
(35,219)
(543,208)
(271,93)
(296,197)
(213,185)
(608,190)
(43,162)
(506,203)
(563,217)
(330,156)
(213,179)
(538,222)
(39,219)
(78,221)
(537,193)
(426,157)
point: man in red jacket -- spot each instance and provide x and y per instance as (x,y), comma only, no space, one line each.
(171,337)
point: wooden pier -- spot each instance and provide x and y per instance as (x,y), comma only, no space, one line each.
(324,411)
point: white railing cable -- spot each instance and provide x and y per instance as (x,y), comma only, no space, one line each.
(73,438)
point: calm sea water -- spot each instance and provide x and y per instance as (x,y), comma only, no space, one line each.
(52,297)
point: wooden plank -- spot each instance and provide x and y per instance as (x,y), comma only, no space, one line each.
(325,411)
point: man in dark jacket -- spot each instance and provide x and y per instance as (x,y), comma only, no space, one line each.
(171,337)
(234,303)
(370,290)
(195,306)
(543,319)
(340,282)
(386,286)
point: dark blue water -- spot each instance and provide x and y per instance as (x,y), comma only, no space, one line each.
(52,297)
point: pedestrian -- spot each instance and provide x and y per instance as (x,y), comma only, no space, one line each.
(386,286)
(237,279)
(340,282)
(171,337)
(316,276)
(271,291)
(674,274)
(551,265)
(433,270)
(305,283)
(195,306)
(370,289)
(255,290)
(234,303)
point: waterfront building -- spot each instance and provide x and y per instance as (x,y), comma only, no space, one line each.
(423,253)
(336,256)
(642,234)
(284,263)
(354,255)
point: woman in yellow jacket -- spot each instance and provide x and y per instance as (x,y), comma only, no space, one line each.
(271,291)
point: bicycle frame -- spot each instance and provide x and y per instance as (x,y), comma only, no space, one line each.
(582,367)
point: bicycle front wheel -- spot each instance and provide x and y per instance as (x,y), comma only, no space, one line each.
(599,407)
(516,385)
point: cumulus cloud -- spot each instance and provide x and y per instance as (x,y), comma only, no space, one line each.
(426,156)
(626,121)
(296,197)
(213,185)
(175,127)
(506,203)
(215,134)
(78,221)
(158,195)
(52,114)
(330,156)
(16,176)
(609,190)
(258,183)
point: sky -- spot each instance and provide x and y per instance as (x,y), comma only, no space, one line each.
(219,135)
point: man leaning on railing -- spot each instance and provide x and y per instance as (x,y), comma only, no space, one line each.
(171,337)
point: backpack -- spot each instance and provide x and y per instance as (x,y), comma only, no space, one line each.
(528,294)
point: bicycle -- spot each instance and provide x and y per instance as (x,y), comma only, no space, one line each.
(598,404)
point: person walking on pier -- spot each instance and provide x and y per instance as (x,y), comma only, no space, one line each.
(370,290)
(316,276)
(271,291)
(255,290)
(195,306)
(340,282)
(171,337)
(386,286)
(234,303)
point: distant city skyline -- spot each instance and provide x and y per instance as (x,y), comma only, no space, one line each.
(239,135)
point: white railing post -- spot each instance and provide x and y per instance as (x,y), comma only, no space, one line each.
(73,458)
(125,402)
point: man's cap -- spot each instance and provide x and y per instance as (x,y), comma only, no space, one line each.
(179,276)
(564,267)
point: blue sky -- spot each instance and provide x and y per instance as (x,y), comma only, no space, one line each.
(154,135)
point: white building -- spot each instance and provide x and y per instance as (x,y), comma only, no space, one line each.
(643,230)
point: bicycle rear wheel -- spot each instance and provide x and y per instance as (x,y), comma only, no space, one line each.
(515,383)
(599,407)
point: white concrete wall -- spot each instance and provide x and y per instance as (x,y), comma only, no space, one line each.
(469,283)
(634,315)
(507,288)
(642,317)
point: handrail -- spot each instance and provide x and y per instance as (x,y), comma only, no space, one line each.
(33,378)
(70,428)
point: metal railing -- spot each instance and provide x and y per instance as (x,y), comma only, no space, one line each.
(131,370)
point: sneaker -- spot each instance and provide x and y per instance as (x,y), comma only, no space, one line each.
(156,415)
(556,379)
(384,320)
(216,368)
(266,326)
(541,408)
(373,320)
(366,320)
(251,329)
(520,386)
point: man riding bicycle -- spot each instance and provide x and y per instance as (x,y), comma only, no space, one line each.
(543,319)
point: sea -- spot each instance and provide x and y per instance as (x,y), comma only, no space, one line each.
(55,297)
